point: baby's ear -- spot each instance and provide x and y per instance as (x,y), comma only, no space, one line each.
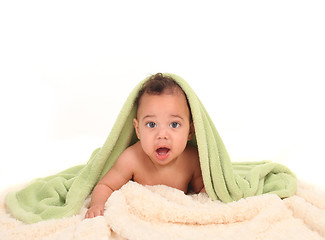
(191,132)
(136,127)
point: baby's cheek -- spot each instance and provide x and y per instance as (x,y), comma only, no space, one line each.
(146,146)
(181,143)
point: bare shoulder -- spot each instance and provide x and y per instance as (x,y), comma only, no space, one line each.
(122,170)
(196,182)
(128,158)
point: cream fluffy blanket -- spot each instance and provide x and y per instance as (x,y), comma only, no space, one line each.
(160,212)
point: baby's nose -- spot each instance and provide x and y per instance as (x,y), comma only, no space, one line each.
(162,133)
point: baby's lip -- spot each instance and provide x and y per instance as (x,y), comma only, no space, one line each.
(162,149)
(162,153)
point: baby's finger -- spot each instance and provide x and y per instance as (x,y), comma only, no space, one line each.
(90,214)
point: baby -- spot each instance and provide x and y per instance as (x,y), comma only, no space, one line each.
(162,155)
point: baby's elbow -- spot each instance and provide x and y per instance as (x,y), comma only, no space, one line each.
(198,187)
(203,190)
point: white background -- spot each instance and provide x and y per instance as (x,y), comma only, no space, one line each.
(67,67)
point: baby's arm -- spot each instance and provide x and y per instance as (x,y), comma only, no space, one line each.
(197,180)
(114,179)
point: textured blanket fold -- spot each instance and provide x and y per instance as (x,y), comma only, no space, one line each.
(139,212)
(63,194)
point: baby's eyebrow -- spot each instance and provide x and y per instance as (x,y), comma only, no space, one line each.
(148,116)
(176,116)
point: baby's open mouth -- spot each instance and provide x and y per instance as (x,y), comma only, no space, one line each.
(162,152)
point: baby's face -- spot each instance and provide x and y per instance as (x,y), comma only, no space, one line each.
(163,126)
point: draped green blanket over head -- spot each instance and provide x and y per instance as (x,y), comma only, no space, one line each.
(63,194)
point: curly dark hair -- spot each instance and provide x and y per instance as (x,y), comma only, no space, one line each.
(157,84)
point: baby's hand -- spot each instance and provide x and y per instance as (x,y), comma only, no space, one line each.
(94,211)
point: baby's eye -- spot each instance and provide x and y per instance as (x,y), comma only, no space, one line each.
(174,125)
(151,125)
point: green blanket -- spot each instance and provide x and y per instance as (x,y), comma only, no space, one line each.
(63,194)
